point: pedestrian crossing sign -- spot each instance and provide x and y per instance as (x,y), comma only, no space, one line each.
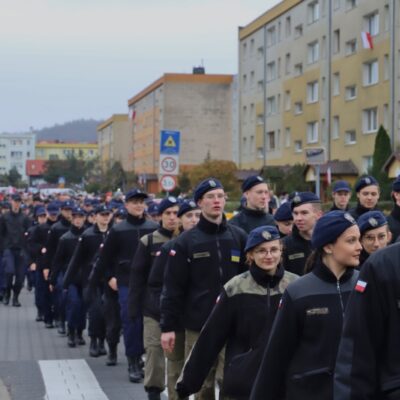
(169,142)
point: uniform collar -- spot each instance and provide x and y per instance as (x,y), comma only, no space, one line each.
(135,220)
(395,213)
(210,227)
(264,279)
(165,232)
(324,273)
(252,212)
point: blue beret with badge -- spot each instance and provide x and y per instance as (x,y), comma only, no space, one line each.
(261,234)
(186,206)
(152,208)
(371,220)
(102,209)
(67,204)
(53,208)
(251,181)
(284,212)
(78,211)
(301,198)
(364,182)
(40,211)
(135,193)
(206,186)
(167,202)
(396,185)
(341,186)
(330,226)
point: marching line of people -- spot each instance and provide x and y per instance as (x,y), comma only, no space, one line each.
(294,304)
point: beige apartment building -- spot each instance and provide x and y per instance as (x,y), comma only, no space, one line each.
(114,140)
(197,105)
(307,80)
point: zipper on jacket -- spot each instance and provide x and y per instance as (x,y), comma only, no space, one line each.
(269,298)
(221,272)
(340,296)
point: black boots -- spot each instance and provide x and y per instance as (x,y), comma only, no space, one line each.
(153,393)
(102,349)
(39,317)
(61,328)
(6,297)
(112,355)
(93,348)
(80,341)
(15,301)
(71,338)
(135,371)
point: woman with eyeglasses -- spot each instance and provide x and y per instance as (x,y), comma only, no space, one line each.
(241,319)
(300,356)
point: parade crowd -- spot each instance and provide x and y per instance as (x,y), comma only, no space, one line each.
(278,303)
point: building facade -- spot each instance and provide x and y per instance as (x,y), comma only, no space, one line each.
(15,150)
(114,140)
(199,106)
(59,150)
(318,73)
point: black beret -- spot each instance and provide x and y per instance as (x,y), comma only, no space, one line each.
(251,181)
(262,234)
(371,220)
(301,198)
(206,186)
(364,182)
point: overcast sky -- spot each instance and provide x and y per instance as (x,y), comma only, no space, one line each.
(69,59)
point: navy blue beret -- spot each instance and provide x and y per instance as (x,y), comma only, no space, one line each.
(53,208)
(135,193)
(40,211)
(67,204)
(102,209)
(301,198)
(371,220)
(152,208)
(78,211)
(87,201)
(330,226)
(284,212)
(365,181)
(121,212)
(16,197)
(167,202)
(205,186)
(262,234)
(339,186)
(396,185)
(186,206)
(251,181)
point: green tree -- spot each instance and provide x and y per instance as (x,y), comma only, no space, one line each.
(72,169)
(288,179)
(184,182)
(14,177)
(382,152)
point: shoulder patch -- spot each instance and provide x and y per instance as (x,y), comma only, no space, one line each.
(361,286)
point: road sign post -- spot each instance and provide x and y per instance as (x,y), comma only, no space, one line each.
(169,159)
(316,156)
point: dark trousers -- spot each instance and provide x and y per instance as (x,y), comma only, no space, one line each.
(2,275)
(14,267)
(97,323)
(75,309)
(113,312)
(131,329)
(60,295)
(40,291)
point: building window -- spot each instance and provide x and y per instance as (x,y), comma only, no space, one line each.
(350,137)
(371,23)
(312,92)
(251,47)
(336,41)
(298,31)
(335,127)
(287,100)
(260,119)
(298,146)
(260,152)
(298,107)
(370,120)
(271,105)
(244,47)
(350,4)
(386,67)
(351,92)
(367,164)
(244,114)
(287,64)
(260,52)
(271,36)
(312,132)
(351,47)
(385,116)
(260,85)
(387,17)
(313,52)
(298,69)
(370,72)
(288,27)
(313,12)
(271,71)
(336,84)
(252,113)
(287,137)
(244,80)
(251,79)
(271,140)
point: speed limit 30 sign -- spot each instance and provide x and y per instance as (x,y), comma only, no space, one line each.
(169,164)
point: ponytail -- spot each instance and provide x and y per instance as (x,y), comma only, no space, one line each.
(312,259)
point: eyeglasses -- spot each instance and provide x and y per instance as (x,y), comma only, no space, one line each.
(372,238)
(263,252)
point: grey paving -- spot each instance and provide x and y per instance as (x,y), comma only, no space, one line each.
(23,342)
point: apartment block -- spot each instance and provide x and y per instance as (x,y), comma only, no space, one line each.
(59,150)
(115,142)
(197,105)
(314,75)
(15,150)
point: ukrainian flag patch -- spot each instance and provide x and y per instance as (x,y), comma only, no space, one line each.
(235,256)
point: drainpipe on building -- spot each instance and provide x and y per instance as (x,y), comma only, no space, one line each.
(265,100)
(329,83)
(392,12)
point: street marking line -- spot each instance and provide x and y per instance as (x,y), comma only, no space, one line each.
(4,394)
(70,380)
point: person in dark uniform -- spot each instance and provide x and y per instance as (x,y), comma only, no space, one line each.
(144,299)
(255,210)
(65,250)
(299,360)
(368,359)
(375,233)
(394,216)
(189,215)
(13,234)
(202,261)
(76,282)
(113,267)
(284,219)
(341,193)
(368,192)
(56,231)
(306,209)
(241,319)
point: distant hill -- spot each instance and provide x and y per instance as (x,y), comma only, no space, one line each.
(82,130)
